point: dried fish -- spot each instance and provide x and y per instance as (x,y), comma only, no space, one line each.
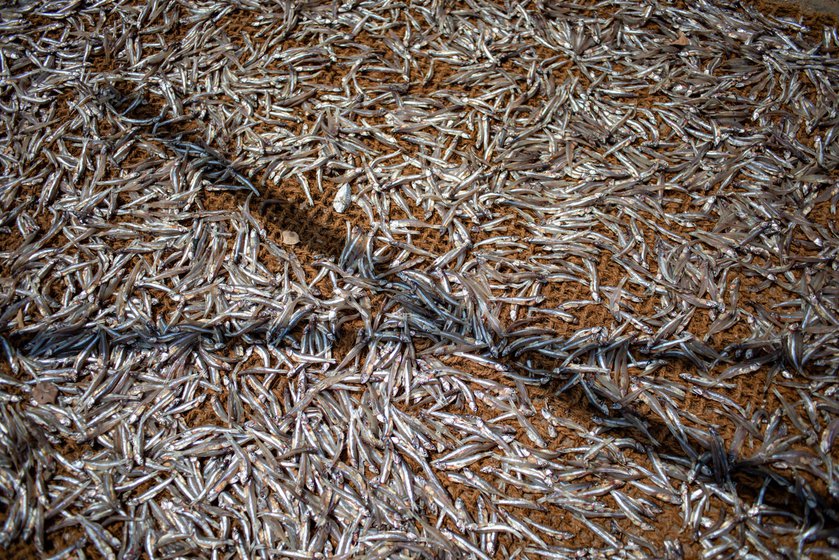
(400,280)
(343,199)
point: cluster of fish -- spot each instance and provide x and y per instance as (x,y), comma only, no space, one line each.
(587,303)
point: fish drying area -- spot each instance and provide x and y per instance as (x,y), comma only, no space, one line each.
(434,279)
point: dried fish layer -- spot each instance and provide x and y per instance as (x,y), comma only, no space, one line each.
(424,280)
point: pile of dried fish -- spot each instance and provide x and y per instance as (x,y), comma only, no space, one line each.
(445,280)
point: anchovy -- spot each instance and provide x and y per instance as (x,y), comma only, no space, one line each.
(417,280)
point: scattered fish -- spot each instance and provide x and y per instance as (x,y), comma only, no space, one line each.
(576,285)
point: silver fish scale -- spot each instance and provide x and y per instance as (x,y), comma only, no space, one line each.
(583,301)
